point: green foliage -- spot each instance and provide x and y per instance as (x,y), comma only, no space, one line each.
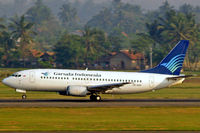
(45,64)
(39,13)
(69,51)
(87,9)
(21,29)
(46,25)
(128,18)
(2,26)
(48,33)
(118,25)
(23,34)
(68,16)
(186,8)
(165,31)
(8,52)
(178,26)
(95,44)
(115,42)
(8,48)
(160,12)
(74,50)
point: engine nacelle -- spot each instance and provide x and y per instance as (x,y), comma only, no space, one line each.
(75,91)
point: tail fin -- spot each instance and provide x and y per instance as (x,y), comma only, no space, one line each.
(173,62)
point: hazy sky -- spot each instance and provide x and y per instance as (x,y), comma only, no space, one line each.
(145,4)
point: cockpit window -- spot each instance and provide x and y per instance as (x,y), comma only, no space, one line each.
(16,75)
(13,75)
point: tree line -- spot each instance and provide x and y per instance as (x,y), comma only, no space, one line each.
(115,27)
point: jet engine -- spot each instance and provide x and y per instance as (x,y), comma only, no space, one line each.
(75,91)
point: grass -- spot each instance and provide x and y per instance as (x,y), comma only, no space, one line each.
(128,118)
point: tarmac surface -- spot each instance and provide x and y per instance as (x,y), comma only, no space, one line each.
(103,103)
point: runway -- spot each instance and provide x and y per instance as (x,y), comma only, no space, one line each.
(103,103)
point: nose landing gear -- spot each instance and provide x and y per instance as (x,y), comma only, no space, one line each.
(95,97)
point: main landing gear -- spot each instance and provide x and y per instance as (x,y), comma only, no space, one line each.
(95,97)
(24,96)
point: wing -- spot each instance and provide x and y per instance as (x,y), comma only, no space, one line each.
(105,87)
(179,77)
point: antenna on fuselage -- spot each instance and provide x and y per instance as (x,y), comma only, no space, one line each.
(86,69)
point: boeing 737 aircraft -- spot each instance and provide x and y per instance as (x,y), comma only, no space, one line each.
(83,82)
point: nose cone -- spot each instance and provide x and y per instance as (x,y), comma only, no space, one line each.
(6,81)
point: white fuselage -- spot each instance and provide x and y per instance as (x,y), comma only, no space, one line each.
(57,80)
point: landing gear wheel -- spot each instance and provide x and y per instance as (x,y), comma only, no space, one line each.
(24,96)
(92,97)
(95,98)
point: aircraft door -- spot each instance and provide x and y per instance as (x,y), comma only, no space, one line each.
(151,81)
(32,76)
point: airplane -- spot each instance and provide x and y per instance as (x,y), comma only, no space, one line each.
(81,83)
